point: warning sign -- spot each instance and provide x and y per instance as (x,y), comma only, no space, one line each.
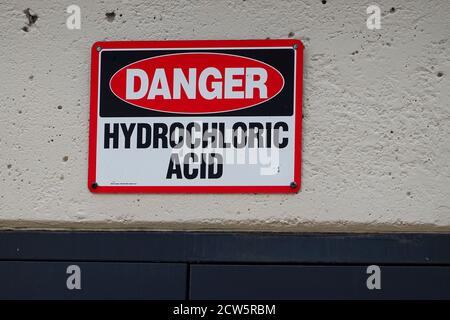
(196,116)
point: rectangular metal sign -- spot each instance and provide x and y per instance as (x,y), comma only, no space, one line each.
(196,116)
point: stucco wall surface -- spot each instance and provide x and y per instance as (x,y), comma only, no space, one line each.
(376,127)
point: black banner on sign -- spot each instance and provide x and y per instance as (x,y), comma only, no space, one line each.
(113,60)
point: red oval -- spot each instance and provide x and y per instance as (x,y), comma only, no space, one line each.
(197,103)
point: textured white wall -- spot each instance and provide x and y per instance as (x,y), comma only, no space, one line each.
(376,152)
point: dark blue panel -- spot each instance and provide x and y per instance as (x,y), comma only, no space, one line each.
(316,282)
(429,249)
(48,280)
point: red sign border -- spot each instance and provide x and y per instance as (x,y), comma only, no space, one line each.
(294,186)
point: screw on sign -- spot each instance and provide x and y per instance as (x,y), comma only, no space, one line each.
(196,116)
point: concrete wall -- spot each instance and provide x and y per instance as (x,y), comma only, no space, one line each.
(376,149)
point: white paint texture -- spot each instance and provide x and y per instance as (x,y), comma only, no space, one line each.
(376,153)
